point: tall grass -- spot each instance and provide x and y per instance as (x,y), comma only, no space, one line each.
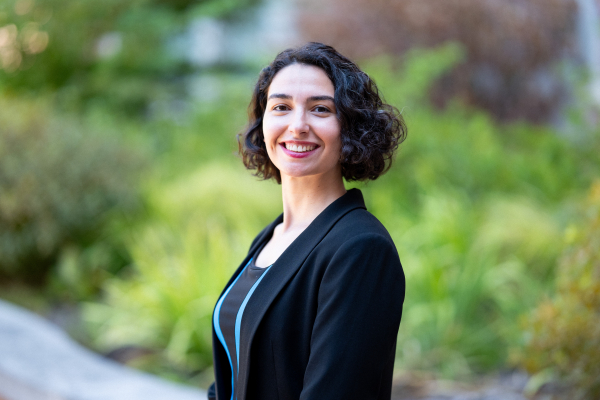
(198,230)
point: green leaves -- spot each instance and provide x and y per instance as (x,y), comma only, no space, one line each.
(59,183)
(563,332)
(197,232)
(476,209)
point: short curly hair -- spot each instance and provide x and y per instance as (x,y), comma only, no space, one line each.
(370,129)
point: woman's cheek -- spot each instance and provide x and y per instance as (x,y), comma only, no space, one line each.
(269,129)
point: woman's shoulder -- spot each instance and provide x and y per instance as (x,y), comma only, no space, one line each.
(359,229)
(359,242)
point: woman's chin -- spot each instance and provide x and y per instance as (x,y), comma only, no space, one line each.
(296,174)
(310,174)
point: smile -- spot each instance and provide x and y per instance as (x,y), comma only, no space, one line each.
(300,148)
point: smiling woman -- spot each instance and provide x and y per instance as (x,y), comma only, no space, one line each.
(313,311)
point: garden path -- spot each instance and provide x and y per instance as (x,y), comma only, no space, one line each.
(38,361)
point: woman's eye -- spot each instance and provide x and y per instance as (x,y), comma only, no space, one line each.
(280,107)
(321,109)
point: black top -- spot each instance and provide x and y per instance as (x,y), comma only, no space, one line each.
(324,320)
(230,310)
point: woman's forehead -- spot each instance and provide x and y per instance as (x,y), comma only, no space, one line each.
(301,79)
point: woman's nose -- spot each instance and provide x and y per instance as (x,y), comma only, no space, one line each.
(299,124)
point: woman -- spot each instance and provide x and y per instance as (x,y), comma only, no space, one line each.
(313,311)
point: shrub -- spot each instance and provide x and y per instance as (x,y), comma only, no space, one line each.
(469,277)
(564,332)
(475,209)
(198,230)
(59,180)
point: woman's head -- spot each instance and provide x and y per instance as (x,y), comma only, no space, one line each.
(370,130)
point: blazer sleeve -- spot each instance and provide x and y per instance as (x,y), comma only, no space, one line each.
(354,336)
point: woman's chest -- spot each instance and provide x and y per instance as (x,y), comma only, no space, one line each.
(275,247)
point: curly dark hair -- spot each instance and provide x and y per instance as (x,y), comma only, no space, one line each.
(371,130)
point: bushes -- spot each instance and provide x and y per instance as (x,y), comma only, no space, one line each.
(477,232)
(468,268)
(59,181)
(475,209)
(564,332)
(198,230)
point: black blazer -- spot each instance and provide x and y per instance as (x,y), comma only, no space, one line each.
(323,322)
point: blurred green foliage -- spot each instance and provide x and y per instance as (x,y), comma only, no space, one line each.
(476,210)
(563,332)
(193,232)
(114,53)
(198,231)
(60,180)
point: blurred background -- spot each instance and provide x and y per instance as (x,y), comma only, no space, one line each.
(124,209)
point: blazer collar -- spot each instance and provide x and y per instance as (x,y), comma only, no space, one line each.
(284,269)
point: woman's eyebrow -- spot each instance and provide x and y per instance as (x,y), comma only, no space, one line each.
(280,96)
(288,97)
(321,98)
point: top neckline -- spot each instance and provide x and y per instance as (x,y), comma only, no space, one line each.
(314,232)
(255,256)
(253,266)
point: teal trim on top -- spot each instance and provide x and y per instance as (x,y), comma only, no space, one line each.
(238,318)
(218,326)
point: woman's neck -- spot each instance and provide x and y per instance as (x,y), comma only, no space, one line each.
(305,197)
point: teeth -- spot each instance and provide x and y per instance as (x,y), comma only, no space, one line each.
(299,149)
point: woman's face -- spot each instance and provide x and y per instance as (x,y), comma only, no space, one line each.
(300,126)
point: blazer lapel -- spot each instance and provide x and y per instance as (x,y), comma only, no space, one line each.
(284,269)
(262,237)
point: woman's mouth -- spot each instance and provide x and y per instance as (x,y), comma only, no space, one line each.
(298,150)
